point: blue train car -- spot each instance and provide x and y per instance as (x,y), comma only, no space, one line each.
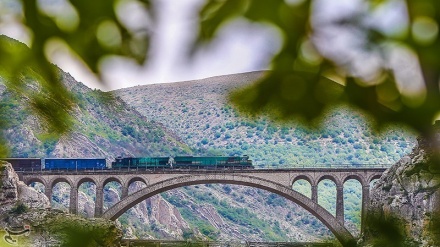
(75,163)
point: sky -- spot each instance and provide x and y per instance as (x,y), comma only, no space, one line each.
(240,47)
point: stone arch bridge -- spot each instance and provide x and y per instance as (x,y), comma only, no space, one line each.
(278,181)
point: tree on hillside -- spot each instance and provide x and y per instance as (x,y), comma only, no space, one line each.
(307,75)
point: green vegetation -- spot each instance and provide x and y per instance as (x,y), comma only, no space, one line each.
(19,208)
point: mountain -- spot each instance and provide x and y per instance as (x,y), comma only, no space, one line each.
(106,126)
(200,114)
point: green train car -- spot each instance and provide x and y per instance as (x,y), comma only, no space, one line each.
(184,162)
(212,162)
(143,162)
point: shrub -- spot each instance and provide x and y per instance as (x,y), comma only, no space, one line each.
(19,208)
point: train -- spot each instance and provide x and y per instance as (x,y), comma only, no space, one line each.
(177,162)
(185,162)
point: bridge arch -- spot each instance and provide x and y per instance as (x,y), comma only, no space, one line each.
(341,233)
(136,179)
(53,182)
(303,177)
(334,179)
(85,180)
(112,179)
(373,177)
(354,177)
(36,180)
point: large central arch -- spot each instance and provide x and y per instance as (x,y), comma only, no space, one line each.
(341,233)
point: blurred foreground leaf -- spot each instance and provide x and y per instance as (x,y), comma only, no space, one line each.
(299,87)
(92,30)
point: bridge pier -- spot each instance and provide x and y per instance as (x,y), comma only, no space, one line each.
(48,192)
(340,203)
(365,200)
(124,192)
(73,206)
(315,193)
(99,200)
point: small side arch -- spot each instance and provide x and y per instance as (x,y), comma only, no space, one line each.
(304,177)
(61,179)
(36,180)
(331,178)
(111,179)
(373,177)
(136,179)
(85,180)
(356,177)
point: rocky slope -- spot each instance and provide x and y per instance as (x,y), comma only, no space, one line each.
(24,209)
(407,195)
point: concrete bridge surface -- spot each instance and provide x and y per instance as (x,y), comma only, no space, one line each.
(278,181)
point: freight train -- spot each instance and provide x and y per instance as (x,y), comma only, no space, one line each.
(178,162)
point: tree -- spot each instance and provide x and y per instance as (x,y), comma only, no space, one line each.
(92,30)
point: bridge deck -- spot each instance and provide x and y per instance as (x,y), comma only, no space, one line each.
(203,171)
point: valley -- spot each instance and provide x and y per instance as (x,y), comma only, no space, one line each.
(195,118)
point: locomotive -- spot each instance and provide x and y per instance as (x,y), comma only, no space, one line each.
(184,162)
(178,162)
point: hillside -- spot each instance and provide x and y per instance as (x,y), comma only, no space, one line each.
(199,113)
(103,126)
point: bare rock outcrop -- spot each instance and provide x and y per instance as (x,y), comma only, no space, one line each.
(407,195)
(27,220)
(167,218)
(13,191)
(9,180)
